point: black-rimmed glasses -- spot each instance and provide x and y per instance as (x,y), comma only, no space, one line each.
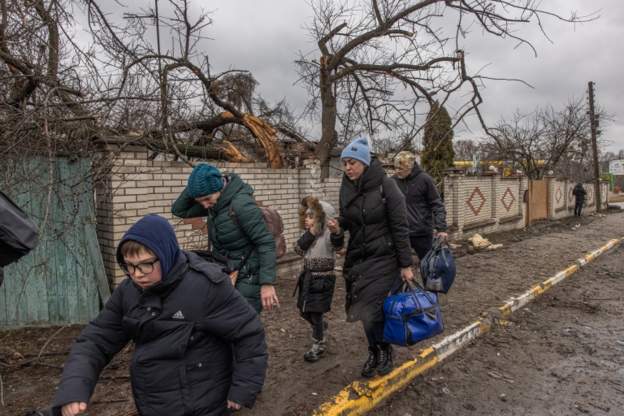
(145,267)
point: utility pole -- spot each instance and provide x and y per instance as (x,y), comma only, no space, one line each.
(593,120)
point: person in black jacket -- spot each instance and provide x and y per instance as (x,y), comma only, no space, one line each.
(579,193)
(372,210)
(199,346)
(425,209)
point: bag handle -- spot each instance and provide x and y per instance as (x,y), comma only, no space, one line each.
(219,257)
(234,218)
(438,243)
(413,285)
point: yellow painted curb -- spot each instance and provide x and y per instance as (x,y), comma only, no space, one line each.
(360,397)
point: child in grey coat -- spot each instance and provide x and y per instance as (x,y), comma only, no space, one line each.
(316,282)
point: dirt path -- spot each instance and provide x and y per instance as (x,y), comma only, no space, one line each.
(563,355)
(293,386)
(484,280)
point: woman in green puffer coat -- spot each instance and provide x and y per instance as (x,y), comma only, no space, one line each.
(237,230)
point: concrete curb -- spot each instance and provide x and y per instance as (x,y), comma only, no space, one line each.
(360,397)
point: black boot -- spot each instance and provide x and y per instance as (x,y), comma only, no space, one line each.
(385,359)
(371,363)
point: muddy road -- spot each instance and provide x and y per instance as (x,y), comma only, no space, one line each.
(561,355)
(31,359)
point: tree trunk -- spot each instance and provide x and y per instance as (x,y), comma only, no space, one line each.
(221,151)
(328,120)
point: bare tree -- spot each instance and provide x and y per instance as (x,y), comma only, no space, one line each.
(465,149)
(608,156)
(126,81)
(45,108)
(193,110)
(382,63)
(547,140)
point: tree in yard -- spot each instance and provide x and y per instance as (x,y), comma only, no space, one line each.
(465,149)
(438,154)
(547,140)
(46,108)
(384,63)
(606,157)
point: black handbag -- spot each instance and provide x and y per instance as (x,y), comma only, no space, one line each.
(18,234)
(437,268)
(215,258)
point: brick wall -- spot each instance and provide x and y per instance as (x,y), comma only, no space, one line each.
(561,199)
(558,203)
(138,186)
(509,197)
(476,200)
(590,197)
(483,203)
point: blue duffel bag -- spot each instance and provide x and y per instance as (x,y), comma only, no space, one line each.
(437,268)
(411,316)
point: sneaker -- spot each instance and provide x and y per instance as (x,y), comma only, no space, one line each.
(322,344)
(385,359)
(315,352)
(371,363)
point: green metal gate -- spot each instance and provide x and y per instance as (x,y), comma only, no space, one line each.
(62,281)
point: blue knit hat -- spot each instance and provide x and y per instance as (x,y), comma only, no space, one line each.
(204,180)
(155,233)
(358,149)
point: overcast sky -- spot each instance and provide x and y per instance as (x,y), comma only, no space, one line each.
(265,36)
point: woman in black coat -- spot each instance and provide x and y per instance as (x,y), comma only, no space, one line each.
(372,210)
